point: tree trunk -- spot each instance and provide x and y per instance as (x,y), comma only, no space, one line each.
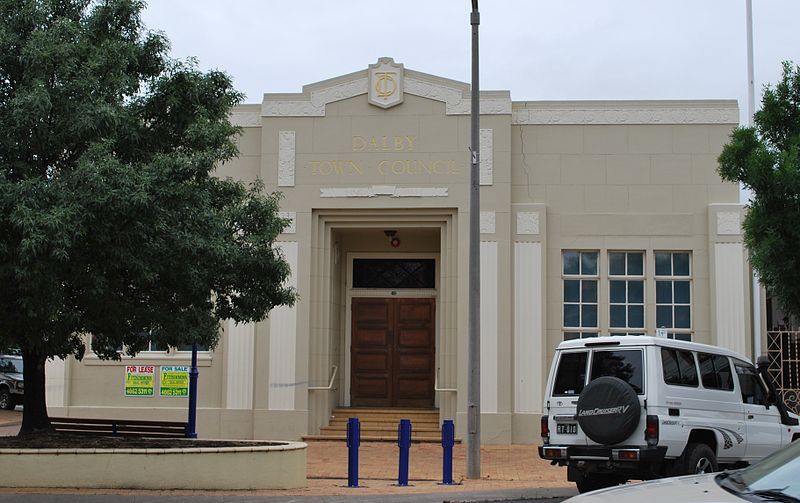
(34,413)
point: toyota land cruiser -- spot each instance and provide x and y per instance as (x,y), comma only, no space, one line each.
(637,407)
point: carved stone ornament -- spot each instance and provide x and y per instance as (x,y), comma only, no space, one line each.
(292,217)
(729,223)
(487,156)
(528,222)
(245,118)
(487,222)
(286,151)
(385,88)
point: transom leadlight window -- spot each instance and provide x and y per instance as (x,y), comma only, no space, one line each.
(626,293)
(580,277)
(674,294)
(394,273)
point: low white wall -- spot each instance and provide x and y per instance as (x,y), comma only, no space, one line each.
(258,467)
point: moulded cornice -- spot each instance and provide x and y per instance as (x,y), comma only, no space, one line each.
(626,112)
(246,116)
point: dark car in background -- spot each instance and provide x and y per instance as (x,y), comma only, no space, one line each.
(12,388)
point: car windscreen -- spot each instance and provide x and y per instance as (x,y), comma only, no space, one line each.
(625,364)
(571,374)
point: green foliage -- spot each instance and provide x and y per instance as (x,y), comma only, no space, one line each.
(112,222)
(766,160)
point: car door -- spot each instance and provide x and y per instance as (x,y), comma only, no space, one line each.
(568,380)
(721,409)
(762,421)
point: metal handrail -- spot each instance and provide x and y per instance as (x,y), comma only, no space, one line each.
(443,390)
(330,384)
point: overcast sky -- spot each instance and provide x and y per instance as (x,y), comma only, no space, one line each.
(537,49)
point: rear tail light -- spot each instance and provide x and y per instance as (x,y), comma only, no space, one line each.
(651,431)
(545,429)
(555,452)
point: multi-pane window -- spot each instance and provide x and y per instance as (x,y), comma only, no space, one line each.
(580,278)
(626,293)
(674,293)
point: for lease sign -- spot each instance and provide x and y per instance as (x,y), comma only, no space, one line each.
(174,381)
(139,380)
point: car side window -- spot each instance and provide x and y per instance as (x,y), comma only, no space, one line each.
(715,371)
(7,365)
(753,391)
(678,367)
(571,374)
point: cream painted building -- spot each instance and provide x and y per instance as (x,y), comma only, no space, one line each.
(596,218)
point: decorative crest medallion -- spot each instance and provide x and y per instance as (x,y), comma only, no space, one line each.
(385,83)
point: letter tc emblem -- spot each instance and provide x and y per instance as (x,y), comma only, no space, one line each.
(385,87)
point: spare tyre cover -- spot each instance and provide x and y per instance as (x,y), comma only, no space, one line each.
(608,410)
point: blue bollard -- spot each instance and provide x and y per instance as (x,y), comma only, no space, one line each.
(404,442)
(353,441)
(448,441)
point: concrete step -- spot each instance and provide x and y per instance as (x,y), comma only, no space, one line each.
(387,424)
(380,425)
(378,438)
(378,430)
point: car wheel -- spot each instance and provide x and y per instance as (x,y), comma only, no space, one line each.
(698,458)
(6,400)
(587,484)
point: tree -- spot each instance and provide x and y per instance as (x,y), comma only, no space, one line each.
(112,222)
(766,160)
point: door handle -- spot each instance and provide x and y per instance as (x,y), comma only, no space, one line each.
(750,416)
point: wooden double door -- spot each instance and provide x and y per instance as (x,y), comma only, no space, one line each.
(392,352)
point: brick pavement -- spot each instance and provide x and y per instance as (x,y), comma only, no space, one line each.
(503,467)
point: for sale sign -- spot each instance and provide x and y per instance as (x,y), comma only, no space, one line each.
(139,380)
(174,381)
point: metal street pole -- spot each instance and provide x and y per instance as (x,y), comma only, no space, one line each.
(191,428)
(474,357)
(751,107)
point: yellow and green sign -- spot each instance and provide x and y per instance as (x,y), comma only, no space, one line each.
(139,380)
(174,381)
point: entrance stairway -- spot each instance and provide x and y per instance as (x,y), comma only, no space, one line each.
(380,425)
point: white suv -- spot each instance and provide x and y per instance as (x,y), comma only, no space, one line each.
(635,407)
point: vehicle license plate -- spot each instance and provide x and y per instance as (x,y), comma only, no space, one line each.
(567,428)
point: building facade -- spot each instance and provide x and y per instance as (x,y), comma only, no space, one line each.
(596,218)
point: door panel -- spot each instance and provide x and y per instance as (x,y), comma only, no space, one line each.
(371,354)
(392,352)
(414,353)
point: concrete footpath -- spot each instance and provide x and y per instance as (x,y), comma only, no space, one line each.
(508,472)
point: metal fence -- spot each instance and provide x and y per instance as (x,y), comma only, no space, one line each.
(783,350)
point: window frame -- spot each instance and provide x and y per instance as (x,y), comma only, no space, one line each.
(580,332)
(627,279)
(685,334)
